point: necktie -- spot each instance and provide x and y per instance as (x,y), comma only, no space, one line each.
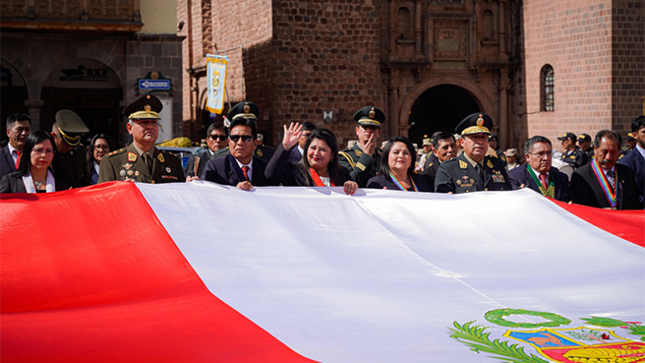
(480,170)
(543,179)
(246,169)
(17,159)
(146,159)
(611,177)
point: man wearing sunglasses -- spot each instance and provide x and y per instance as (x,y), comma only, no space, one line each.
(141,161)
(217,137)
(241,168)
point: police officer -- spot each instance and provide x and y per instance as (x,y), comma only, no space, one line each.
(572,154)
(584,142)
(142,161)
(364,158)
(70,159)
(473,170)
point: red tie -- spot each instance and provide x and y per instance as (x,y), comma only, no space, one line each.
(543,179)
(245,169)
(17,159)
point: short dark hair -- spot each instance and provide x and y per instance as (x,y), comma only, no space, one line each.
(441,136)
(36,137)
(241,121)
(528,145)
(15,117)
(607,133)
(308,126)
(384,169)
(638,123)
(330,139)
(216,126)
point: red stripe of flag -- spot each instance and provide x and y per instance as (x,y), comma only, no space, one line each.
(91,275)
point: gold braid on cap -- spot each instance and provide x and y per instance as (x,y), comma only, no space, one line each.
(147,113)
(69,140)
(475,130)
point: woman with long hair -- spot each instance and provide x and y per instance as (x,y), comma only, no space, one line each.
(34,174)
(100,146)
(318,166)
(397,168)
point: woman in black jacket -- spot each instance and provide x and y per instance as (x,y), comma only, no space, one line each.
(34,174)
(318,166)
(397,168)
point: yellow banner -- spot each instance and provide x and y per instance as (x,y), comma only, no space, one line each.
(216,68)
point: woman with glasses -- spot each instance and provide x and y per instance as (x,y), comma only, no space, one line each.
(100,146)
(397,168)
(34,174)
(318,166)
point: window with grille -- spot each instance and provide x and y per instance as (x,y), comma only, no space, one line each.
(547,93)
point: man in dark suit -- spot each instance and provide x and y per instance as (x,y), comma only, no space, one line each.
(538,174)
(216,139)
(444,148)
(472,171)
(635,159)
(70,159)
(602,183)
(18,128)
(241,168)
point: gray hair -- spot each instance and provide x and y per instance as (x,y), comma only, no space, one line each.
(528,146)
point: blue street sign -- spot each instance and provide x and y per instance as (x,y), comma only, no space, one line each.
(154,84)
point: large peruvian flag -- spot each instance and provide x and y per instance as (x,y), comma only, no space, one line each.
(124,272)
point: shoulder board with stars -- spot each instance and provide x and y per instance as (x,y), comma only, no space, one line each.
(116,152)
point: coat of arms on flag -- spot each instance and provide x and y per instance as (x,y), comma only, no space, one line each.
(216,68)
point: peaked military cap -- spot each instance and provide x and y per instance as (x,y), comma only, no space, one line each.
(143,107)
(244,109)
(568,135)
(492,137)
(476,123)
(369,116)
(70,126)
(630,137)
(584,137)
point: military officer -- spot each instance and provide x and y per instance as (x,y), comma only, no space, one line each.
(70,159)
(262,151)
(493,148)
(473,170)
(572,154)
(142,161)
(364,158)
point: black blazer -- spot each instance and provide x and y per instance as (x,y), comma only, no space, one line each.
(7,165)
(458,176)
(588,191)
(292,173)
(520,175)
(381,181)
(224,170)
(634,159)
(12,183)
(203,159)
(430,172)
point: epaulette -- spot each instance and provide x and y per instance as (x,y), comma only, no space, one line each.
(168,152)
(120,151)
(348,157)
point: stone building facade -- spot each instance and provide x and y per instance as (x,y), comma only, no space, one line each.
(90,56)
(426,63)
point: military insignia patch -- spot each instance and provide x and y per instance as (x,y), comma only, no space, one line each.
(480,120)
(372,113)
(129,172)
(137,173)
(358,153)
(122,172)
(127,166)
(132,157)
(489,164)
(160,157)
(596,341)
(167,170)
(259,153)
(463,164)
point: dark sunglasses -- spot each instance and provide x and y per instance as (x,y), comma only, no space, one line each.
(236,138)
(218,137)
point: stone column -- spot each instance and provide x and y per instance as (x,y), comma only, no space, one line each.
(392,31)
(503,57)
(503,109)
(33,108)
(417,29)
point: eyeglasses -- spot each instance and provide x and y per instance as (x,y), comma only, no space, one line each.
(545,154)
(42,151)
(218,137)
(236,138)
(101,147)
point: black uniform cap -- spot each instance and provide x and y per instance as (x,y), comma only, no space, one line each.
(370,116)
(476,123)
(568,135)
(143,107)
(244,109)
(584,137)
(70,126)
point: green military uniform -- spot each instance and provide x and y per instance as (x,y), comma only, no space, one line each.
(458,175)
(72,164)
(361,166)
(127,164)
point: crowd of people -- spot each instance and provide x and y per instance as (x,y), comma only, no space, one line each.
(596,172)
